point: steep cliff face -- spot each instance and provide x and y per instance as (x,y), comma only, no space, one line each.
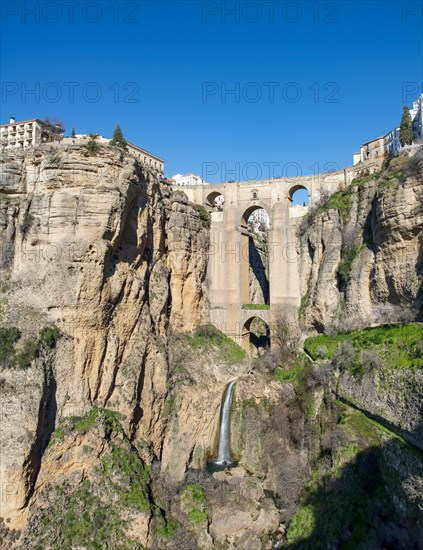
(111,421)
(98,247)
(363,248)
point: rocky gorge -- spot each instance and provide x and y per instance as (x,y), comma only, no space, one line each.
(112,380)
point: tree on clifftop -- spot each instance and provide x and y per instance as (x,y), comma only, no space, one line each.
(118,140)
(406,128)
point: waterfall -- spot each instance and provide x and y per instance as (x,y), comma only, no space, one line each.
(224,449)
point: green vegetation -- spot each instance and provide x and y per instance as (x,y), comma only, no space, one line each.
(29,351)
(118,140)
(92,145)
(169,405)
(73,133)
(204,215)
(78,518)
(256,306)
(16,355)
(165,526)
(406,127)
(209,338)
(98,513)
(347,492)
(347,258)
(341,201)
(54,157)
(49,336)
(127,477)
(84,423)
(8,338)
(305,300)
(27,221)
(338,499)
(397,346)
(296,373)
(195,501)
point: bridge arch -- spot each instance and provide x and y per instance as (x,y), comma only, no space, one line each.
(251,256)
(255,332)
(299,195)
(247,213)
(215,200)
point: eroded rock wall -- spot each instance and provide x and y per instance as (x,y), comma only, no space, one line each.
(361,254)
(99,247)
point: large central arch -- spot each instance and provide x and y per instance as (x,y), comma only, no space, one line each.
(245,255)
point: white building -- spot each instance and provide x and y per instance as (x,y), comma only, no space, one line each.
(259,220)
(28,133)
(417,117)
(187,179)
(392,143)
(389,145)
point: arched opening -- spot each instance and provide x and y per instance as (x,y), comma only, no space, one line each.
(215,201)
(255,336)
(298,196)
(255,226)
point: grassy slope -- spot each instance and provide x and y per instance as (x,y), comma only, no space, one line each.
(397,345)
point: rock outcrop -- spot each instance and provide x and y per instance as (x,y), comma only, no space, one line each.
(363,249)
(100,248)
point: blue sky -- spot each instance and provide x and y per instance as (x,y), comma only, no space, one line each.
(339,72)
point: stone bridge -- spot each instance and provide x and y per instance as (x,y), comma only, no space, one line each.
(228,268)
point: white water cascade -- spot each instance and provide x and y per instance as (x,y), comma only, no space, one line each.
(224,450)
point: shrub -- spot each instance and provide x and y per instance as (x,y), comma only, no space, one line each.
(370,360)
(322,351)
(49,336)
(22,358)
(92,145)
(28,353)
(389,313)
(8,338)
(344,356)
(54,157)
(204,215)
(344,268)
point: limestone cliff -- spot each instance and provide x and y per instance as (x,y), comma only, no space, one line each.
(361,251)
(98,247)
(111,380)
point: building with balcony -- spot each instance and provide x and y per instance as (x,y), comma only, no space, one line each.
(28,133)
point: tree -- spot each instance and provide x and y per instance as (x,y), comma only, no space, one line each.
(92,145)
(73,134)
(118,140)
(406,127)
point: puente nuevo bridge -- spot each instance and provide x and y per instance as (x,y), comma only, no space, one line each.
(228,270)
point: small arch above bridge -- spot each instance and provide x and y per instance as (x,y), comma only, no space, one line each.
(215,200)
(299,195)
